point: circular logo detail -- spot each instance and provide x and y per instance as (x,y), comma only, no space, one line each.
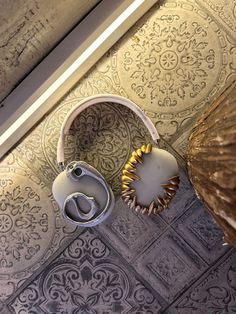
(172,62)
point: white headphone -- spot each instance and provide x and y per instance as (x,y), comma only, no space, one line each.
(80,190)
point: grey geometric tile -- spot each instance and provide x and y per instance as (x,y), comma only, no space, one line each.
(198,228)
(86,278)
(170,265)
(129,232)
(214,293)
(179,34)
(4,310)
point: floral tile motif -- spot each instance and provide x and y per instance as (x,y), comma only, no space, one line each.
(129,232)
(198,228)
(30,227)
(224,12)
(214,293)
(86,278)
(169,265)
(171,63)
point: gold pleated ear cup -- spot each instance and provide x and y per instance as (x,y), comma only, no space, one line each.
(129,175)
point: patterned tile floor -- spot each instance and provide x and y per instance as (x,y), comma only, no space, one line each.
(173,63)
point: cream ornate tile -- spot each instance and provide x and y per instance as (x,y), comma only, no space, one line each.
(171,63)
(181,144)
(31,226)
(103,135)
(224,11)
(180,140)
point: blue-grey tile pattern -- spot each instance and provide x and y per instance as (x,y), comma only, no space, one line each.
(214,293)
(86,278)
(170,265)
(200,231)
(130,232)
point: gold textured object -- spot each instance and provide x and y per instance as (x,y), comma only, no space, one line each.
(128,192)
(148,149)
(133,160)
(139,152)
(128,176)
(124,187)
(126,179)
(143,148)
(211,160)
(129,167)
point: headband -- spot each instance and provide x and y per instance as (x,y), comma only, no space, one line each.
(82,105)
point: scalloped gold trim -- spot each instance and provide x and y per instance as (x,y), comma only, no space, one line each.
(128,176)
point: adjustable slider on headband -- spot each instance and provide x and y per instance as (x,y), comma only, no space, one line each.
(60,151)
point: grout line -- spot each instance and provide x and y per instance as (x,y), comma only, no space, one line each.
(201,277)
(130,268)
(29,280)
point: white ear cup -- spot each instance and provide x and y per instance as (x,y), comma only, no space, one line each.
(63,186)
(83,194)
(157,168)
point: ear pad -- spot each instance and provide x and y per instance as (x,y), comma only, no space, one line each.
(83,194)
(149,179)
